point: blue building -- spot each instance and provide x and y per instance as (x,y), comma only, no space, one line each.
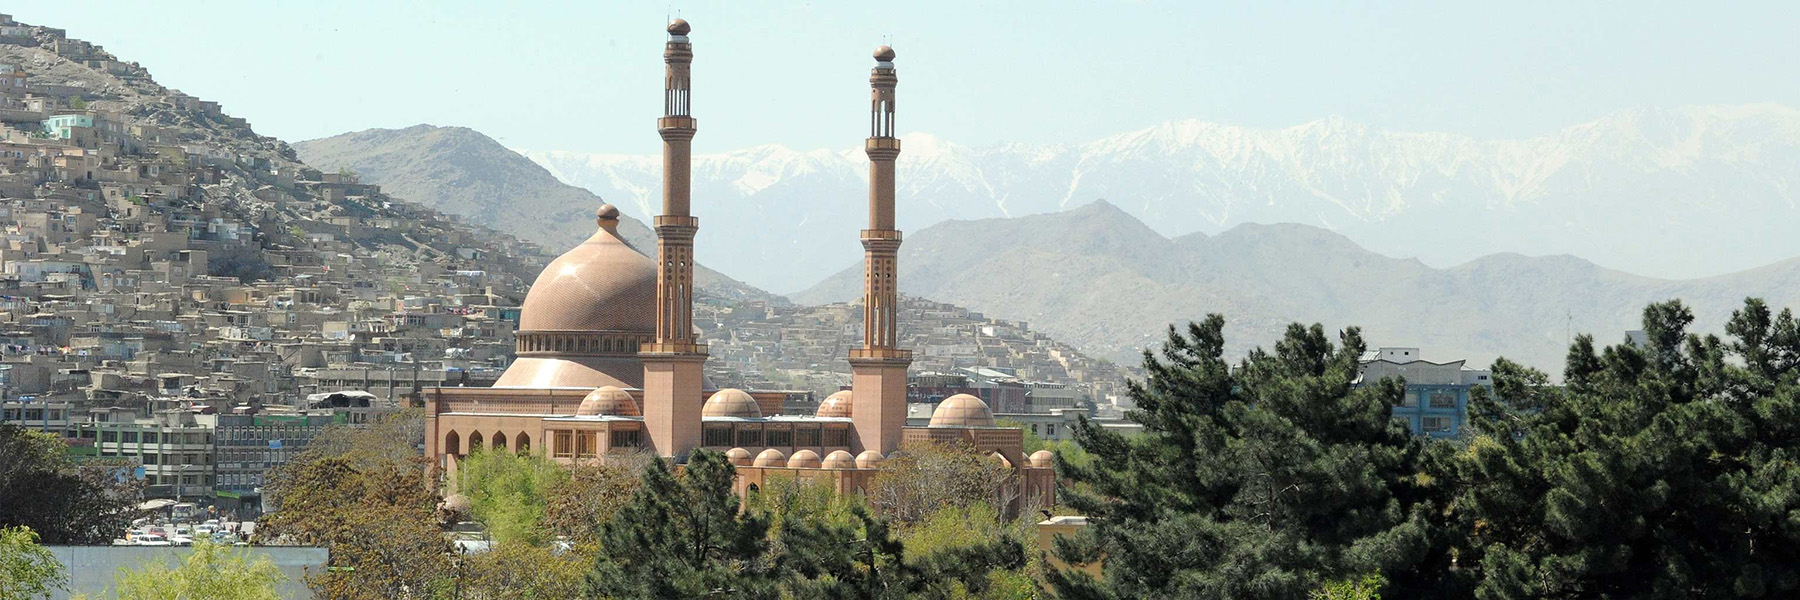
(1437,394)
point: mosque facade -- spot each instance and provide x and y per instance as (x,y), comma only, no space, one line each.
(608,361)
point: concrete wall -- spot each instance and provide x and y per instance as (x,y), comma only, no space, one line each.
(92,568)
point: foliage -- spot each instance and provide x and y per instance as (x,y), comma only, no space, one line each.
(1662,470)
(27,570)
(77,103)
(367,496)
(1033,441)
(1367,587)
(1263,481)
(581,504)
(523,571)
(987,550)
(509,492)
(62,502)
(928,476)
(684,537)
(208,572)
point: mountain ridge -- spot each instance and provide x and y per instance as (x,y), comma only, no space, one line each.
(461,171)
(1068,279)
(1720,183)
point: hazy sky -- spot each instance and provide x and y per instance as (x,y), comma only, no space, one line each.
(586,76)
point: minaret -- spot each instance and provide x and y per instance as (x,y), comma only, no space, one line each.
(878,368)
(673,362)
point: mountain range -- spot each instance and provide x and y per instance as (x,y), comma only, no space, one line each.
(1672,193)
(1104,281)
(460,171)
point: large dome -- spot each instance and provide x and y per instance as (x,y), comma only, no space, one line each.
(586,315)
(600,285)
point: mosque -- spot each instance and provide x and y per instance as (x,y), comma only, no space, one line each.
(608,361)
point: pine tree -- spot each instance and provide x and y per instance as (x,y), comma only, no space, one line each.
(1666,470)
(683,537)
(1269,480)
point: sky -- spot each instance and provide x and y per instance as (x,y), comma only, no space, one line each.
(587,76)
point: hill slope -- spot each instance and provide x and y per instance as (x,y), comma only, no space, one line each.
(1105,282)
(462,172)
(1679,192)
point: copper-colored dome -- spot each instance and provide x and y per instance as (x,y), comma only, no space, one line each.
(1003,461)
(1043,459)
(738,456)
(679,27)
(731,402)
(771,458)
(804,459)
(609,400)
(586,315)
(962,410)
(601,285)
(884,54)
(835,405)
(839,459)
(869,459)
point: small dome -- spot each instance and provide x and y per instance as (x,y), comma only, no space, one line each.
(884,54)
(606,213)
(839,459)
(1002,458)
(869,459)
(1042,459)
(731,402)
(771,458)
(608,400)
(679,27)
(738,456)
(835,405)
(458,503)
(962,410)
(804,459)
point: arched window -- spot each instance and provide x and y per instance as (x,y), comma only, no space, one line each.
(499,441)
(474,441)
(452,444)
(524,443)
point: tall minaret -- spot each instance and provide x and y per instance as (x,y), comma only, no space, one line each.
(878,368)
(673,362)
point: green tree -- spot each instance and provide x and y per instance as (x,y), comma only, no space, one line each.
(581,505)
(64,503)
(208,572)
(509,493)
(682,536)
(1267,480)
(1661,470)
(27,570)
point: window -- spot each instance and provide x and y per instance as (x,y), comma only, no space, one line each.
(150,459)
(1437,424)
(1443,399)
(1050,430)
(716,434)
(806,435)
(1411,400)
(779,435)
(109,436)
(628,439)
(836,437)
(149,437)
(749,435)
(584,444)
(129,437)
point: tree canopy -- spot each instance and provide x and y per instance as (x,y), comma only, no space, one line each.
(208,571)
(64,503)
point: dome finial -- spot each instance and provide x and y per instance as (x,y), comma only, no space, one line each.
(884,54)
(679,27)
(607,216)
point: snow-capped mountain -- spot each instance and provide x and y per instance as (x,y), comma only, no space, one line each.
(1668,193)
